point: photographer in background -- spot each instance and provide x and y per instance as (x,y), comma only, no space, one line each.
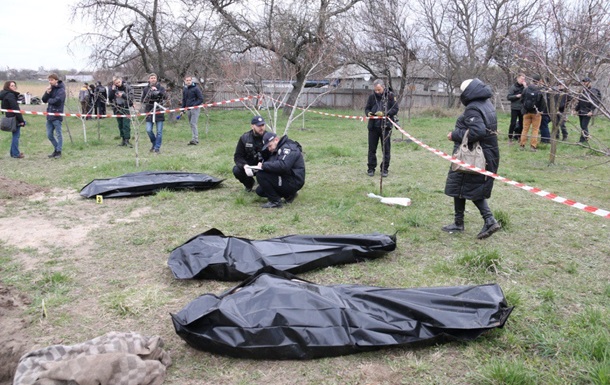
(121,98)
(154,93)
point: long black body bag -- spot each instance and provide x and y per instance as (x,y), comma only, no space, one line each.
(147,183)
(275,315)
(212,255)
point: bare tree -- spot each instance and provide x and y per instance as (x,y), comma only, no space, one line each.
(467,36)
(170,38)
(297,32)
(570,43)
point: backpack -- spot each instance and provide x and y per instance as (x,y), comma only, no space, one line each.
(530,98)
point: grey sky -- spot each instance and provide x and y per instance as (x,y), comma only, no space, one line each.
(36,33)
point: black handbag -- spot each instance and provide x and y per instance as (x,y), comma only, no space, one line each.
(473,157)
(8,124)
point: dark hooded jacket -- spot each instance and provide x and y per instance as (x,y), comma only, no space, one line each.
(191,96)
(9,102)
(480,118)
(149,97)
(287,161)
(513,91)
(55,101)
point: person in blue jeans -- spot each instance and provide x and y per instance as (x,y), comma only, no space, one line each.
(9,96)
(154,93)
(55,97)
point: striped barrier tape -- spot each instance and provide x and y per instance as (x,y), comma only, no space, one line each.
(132,115)
(534,190)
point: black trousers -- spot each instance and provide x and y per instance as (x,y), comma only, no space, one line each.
(584,127)
(274,187)
(516,125)
(240,174)
(459,206)
(375,136)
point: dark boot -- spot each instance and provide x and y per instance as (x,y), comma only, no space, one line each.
(57,155)
(456,227)
(490,227)
(53,154)
(127,143)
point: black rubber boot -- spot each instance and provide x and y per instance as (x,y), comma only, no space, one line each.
(456,227)
(490,227)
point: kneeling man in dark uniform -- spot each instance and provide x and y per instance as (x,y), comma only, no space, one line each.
(282,175)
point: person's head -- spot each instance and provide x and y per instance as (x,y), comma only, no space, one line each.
(536,79)
(117,82)
(521,78)
(258,125)
(152,78)
(378,86)
(586,81)
(270,141)
(188,80)
(53,79)
(9,85)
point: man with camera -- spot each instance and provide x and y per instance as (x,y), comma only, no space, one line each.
(152,97)
(121,98)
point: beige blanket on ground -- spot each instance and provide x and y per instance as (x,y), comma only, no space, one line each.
(111,359)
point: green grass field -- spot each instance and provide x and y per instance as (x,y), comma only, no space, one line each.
(550,259)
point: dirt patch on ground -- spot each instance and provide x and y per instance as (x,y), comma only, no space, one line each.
(11,189)
(13,336)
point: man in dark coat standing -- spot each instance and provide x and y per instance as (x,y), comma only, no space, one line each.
(55,97)
(282,174)
(516,117)
(380,106)
(588,100)
(480,120)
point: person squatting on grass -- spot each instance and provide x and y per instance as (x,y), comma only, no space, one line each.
(282,174)
(480,119)
(248,152)
(121,99)
(192,96)
(154,93)
(381,103)
(55,97)
(9,96)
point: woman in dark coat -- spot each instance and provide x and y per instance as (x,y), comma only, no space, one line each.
(9,96)
(480,118)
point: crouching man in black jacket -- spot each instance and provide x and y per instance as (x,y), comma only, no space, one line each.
(282,175)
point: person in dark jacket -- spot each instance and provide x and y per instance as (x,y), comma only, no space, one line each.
(516,117)
(55,97)
(153,93)
(588,100)
(532,116)
(248,152)
(479,118)
(9,96)
(121,99)
(100,97)
(562,100)
(282,174)
(192,96)
(380,106)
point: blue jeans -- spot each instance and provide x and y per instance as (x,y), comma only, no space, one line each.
(155,139)
(15,143)
(55,125)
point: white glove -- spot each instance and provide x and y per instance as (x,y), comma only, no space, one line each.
(248,171)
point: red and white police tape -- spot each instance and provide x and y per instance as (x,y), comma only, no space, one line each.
(533,190)
(132,115)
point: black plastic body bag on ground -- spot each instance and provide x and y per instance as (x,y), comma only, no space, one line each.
(275,315)
(212,255)
(148,182)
